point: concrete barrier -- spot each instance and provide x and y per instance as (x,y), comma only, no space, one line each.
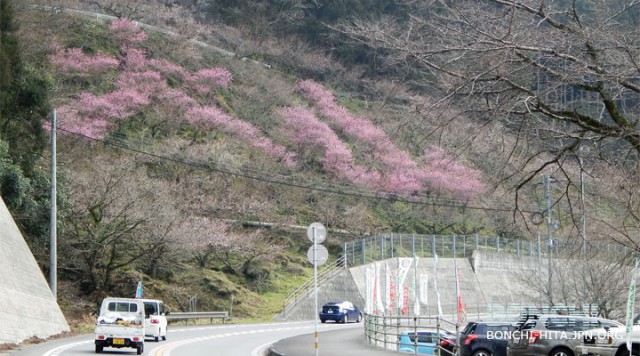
(27,306)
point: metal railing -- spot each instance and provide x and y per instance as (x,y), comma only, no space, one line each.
(383,247)
(384,330)
(324,274)
(221,315)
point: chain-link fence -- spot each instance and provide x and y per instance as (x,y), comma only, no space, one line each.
(460,246)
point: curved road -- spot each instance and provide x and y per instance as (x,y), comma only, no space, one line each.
(293,339)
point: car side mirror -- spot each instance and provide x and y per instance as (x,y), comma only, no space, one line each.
(166,312)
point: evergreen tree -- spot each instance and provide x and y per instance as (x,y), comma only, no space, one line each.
(23,108)
(23,97)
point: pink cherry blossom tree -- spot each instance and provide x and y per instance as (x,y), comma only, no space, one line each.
(400,172)
(142,85)
(303,127)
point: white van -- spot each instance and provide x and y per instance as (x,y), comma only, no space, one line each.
(155,320)
(120,324)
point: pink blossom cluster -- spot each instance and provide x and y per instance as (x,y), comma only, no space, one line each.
(128,32)
(400,173)
(141,83)
(207,115)
(303,127)
(74,61)
(202,80)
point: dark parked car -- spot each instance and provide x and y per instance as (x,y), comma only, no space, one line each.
(553,334)
(340,312)
(485,338)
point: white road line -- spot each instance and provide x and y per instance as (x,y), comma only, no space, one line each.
(58,350)
(166,349)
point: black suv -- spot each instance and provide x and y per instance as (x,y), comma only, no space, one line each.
(553,334)
(485,338)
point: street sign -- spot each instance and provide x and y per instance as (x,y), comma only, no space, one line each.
(320,232)
(322,255)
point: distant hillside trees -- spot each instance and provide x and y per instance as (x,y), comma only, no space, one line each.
(116,223)
(562,76)
(24,185)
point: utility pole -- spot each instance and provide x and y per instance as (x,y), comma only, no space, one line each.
(584,207)
(547,198)
(53,245)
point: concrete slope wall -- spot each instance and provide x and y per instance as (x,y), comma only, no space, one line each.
(485,279)
(27,306)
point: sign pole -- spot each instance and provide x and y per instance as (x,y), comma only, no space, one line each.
(317,255)
(315,287)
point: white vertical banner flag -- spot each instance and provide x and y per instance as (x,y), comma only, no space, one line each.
(631,304)
(387,287)
(377,290)
(416,300)
(404,264)
(461,314)
(435,284)
(369,289)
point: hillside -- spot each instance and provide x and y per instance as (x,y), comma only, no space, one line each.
(169,151)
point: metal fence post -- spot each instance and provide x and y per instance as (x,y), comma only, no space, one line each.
(413,245)
(391,241)
(454,246)
(433,245)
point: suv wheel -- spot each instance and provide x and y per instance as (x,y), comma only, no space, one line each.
(561,352)
(481,353)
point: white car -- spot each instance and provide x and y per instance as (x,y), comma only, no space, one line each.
(155,320)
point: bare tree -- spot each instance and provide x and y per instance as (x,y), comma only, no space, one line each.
(599,280)
(116,220)
(541,78)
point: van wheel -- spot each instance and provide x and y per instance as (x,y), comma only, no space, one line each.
(156,339)
(139,350)
(99,349)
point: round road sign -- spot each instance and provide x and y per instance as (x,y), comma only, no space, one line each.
(318,230)
(322,255)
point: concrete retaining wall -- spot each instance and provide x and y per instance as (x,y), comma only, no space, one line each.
(486,278)
(27,306)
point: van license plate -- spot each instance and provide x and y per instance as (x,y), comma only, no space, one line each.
(118,341)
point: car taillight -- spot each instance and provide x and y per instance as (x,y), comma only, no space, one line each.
(533,337)
(470,338)
(100,337)
(155,321)
(444,343)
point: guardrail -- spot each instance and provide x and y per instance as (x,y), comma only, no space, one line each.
(222,315)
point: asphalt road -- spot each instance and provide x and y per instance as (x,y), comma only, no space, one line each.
(345,342)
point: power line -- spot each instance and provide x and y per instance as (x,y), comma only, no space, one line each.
(386,196)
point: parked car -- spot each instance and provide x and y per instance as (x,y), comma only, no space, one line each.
(423,342)
(340,312)
(485,338)
(553,335)
(155,319)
